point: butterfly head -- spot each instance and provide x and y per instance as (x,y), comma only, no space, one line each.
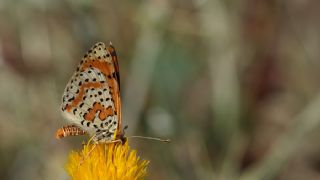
(122,136)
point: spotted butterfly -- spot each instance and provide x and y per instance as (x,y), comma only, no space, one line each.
(91,100)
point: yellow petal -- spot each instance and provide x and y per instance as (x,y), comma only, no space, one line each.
(106,161)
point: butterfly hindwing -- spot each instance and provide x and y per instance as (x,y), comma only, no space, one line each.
(91,99)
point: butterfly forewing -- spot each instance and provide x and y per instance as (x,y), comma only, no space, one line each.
(91,99)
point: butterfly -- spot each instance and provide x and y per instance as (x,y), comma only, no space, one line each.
(91,100)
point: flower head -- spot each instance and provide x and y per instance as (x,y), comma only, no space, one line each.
(106,161)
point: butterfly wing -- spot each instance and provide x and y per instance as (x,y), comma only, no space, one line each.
(116,82)
(91,99)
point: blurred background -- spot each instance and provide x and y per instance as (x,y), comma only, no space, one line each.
(234,84)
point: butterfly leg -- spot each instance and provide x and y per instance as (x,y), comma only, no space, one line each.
(85,156)
(69,130)
(114,141)
(105,137)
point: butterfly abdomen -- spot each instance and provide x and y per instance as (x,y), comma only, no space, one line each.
(69,131)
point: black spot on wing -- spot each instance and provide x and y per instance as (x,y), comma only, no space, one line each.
(71,99)
(74,111)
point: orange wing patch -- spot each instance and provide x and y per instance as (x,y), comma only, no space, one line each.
(98,108)
(79,98)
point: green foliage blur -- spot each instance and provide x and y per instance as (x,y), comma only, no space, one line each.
(234,84)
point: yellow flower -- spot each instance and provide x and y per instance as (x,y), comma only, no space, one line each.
(106,161)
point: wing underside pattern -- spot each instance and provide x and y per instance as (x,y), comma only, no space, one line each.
(91,100)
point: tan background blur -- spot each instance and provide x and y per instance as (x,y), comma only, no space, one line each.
(234,84)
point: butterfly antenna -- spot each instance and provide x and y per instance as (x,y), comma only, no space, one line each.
(151,138)
(144,137)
